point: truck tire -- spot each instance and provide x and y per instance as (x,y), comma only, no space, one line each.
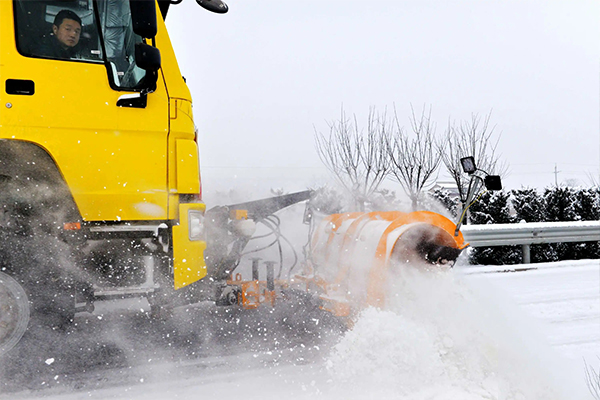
(37,265)
(37,262)
(14,312)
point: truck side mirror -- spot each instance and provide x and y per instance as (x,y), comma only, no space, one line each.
(147,57)
(492,182)
(216,6)
(143,16)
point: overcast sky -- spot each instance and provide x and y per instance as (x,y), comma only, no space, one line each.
(268,73)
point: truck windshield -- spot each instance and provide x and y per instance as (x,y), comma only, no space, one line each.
(83,30)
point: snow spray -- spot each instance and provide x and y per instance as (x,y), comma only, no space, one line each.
(440,337)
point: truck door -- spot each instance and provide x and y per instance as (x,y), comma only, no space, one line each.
(68,94)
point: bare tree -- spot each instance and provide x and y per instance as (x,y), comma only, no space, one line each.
(357,159)
(592,379)
(415,159)
(471,138)
(593,178)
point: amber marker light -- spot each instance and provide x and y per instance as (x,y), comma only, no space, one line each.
(72,226)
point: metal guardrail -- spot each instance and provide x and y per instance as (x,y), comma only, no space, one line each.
(526,234)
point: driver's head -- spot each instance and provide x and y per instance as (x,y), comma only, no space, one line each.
(67,28)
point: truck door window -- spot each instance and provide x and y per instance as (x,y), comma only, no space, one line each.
(72,30)
(119,43)
(64,30)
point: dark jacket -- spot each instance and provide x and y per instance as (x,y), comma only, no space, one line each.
(52,48)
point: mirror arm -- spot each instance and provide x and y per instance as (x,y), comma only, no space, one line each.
(478,176)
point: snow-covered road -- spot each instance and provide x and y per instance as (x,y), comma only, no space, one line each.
(565,298)
(483,335)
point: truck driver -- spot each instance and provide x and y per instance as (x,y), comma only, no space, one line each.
(63,44)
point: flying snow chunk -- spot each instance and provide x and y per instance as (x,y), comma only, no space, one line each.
(49,361)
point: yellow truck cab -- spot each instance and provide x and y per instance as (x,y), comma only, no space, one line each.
(99,172)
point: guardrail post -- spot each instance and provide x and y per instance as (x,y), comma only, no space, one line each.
(526,254)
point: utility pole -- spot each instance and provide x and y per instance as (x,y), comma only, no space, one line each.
(556,171)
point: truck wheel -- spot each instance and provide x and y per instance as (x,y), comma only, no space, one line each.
(33,262)
(14,312)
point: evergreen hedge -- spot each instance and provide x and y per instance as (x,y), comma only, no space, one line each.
(554,204)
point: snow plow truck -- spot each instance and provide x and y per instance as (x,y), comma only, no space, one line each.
(100,189)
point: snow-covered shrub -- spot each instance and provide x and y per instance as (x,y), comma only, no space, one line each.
(493,208)
(560,204)
(443,197)
(530,206)
(588,204)
(571,204)
(587,208)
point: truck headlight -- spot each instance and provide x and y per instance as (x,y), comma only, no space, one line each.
(196,224)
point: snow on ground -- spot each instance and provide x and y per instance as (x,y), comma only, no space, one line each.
(565,298)
(471,334)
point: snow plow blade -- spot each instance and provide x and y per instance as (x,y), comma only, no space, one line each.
(353,254)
